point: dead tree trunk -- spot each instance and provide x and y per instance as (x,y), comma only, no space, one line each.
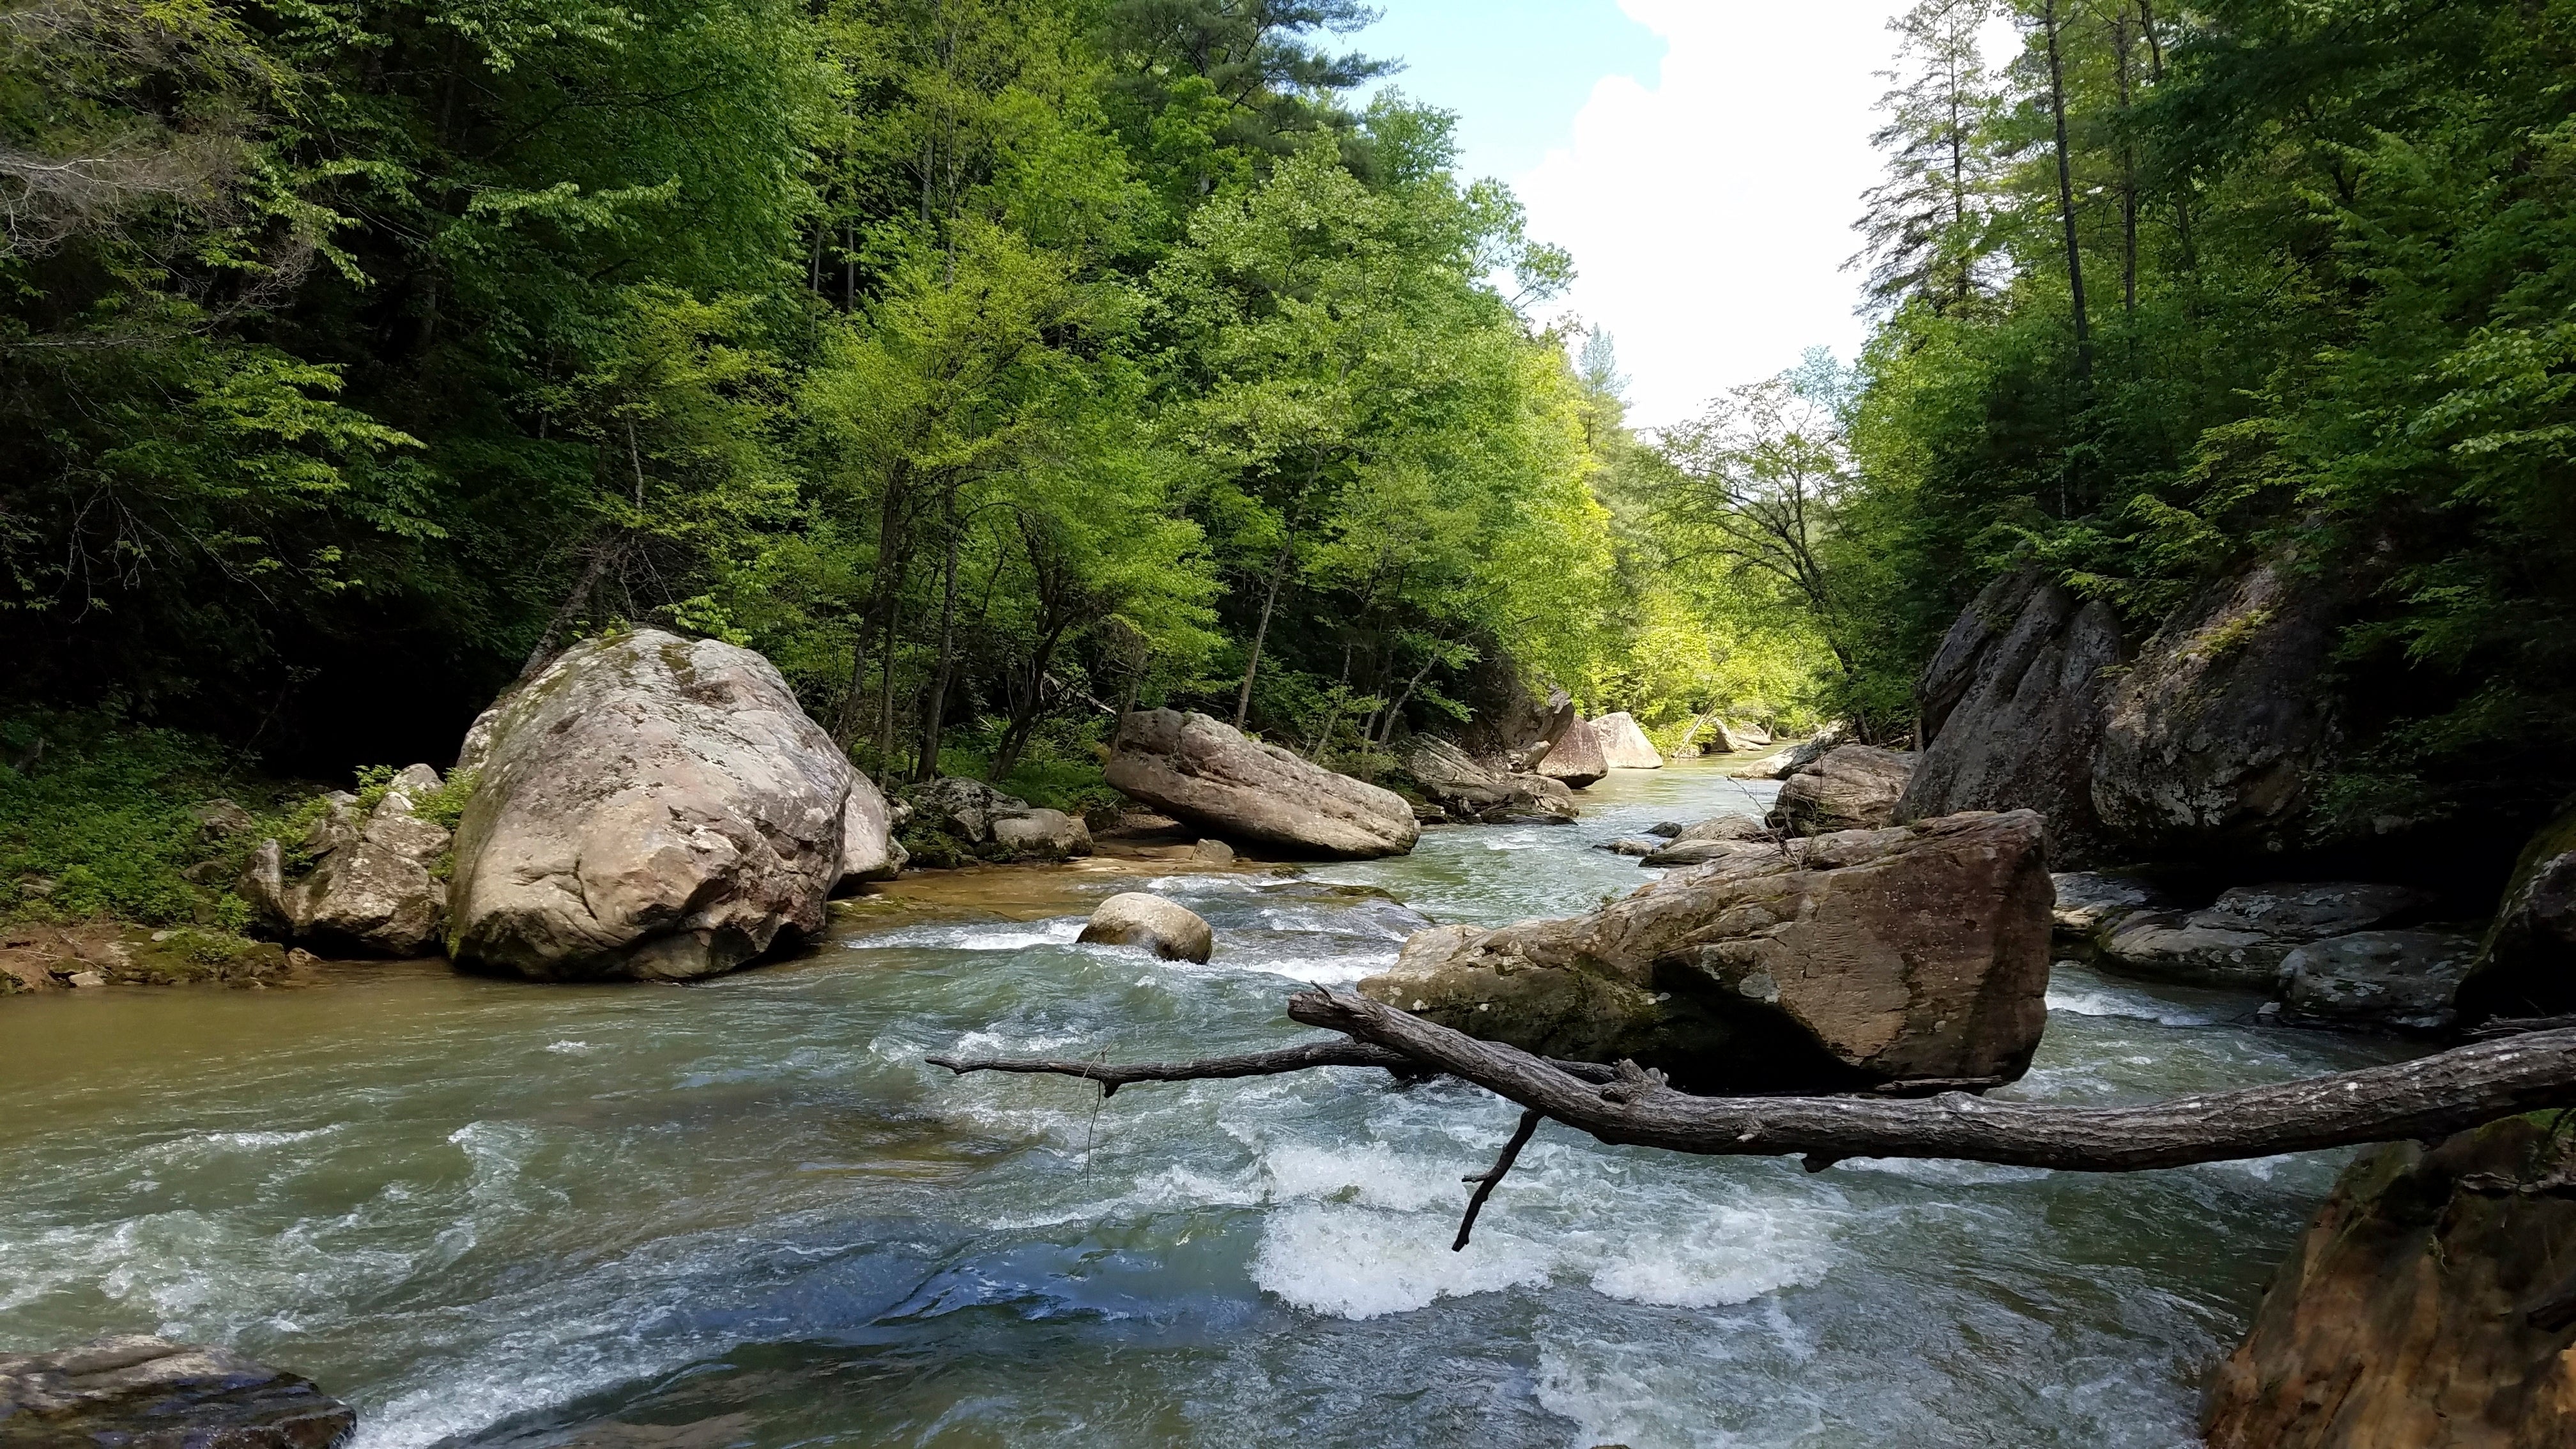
(1260,635)
(2428,1097)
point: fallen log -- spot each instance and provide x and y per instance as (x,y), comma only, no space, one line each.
(2428,1097)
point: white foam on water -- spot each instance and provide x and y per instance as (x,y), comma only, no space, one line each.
(1337,969)
(203,1143)
(1360,1262)
(1374,1175)
(1016,936)
(2111,1001)
(570,1048)
(1733,1255)
(1942,1171)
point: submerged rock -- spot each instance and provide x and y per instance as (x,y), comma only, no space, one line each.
(2427,1307)
(133,1392)
(1204,772)
(1849,787)
(1136,918)
(2243,938)
(2404,979)
(1828,963)
(2012,708)
(647,807)
(1623,745)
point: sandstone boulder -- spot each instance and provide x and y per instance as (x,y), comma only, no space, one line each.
(2426,1307)
(1464,788)
(1624,745)
(963,807)
(2089,903)
(1839,961)
(2211,740)
(1715,838)
(2243,938)
(869,850)
(1849,787)
(1043,833)
(2012,709)
(1204,772)
(375,882)
(150,1393)
(1135,918)
(1575,757)
(1631,845)
(1748,735)
(2409,980)
(1781,764)
(647,807)
(2527,966)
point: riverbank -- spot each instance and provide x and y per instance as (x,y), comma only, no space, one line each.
(745,1212)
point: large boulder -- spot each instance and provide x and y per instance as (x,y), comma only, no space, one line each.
(2089,902)
(1849,787)
(1166,928)
(374,885)
(1624,746)
(2527,966)
(646,807)
(869,850)
(1782,763)
(1203,772)
(2426,1307)
(2214,739)
(2243,938)
(1829,963)
(1464,788)
(149,1393)
(1042,833)
(2011,710)
(2409,980)
(1569,749)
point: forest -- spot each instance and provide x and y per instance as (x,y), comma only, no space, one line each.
(991,364)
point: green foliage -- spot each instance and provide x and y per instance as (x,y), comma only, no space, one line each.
(97,818)
(2324,249)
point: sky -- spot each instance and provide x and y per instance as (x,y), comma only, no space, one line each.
(1702,159)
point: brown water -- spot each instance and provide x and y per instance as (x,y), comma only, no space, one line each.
(745,1213)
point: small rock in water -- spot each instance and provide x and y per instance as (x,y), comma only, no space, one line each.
(1135,918)
(1664,829)
(148,1393)
(86,978)
(1214,852)
(1630,845)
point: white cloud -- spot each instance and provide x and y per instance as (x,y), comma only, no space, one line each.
(1709,216)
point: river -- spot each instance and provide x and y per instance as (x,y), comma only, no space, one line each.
(746,1214)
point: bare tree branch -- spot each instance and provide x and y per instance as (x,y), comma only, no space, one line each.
(2428,1097)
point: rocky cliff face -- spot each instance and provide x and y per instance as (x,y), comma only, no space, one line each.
(2012,711)
(2430,1305)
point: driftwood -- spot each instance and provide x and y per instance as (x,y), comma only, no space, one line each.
(2429,1097)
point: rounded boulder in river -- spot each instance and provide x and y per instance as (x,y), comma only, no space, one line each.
(1136,918)
(486,1212)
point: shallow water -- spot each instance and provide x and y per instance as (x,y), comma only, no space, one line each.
(745,1213)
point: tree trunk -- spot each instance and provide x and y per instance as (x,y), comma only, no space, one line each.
(2120,48)
(2428,1097)
(570,609)
(935,711)
(1252,665)
(1024,711)
(880,603)
(2066,196)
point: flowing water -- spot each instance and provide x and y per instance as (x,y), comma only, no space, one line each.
(745,1213)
